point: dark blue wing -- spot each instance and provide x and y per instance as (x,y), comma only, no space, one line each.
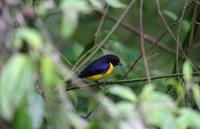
(94,69)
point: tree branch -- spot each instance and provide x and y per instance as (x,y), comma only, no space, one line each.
(108,35)
(131,81)
(156,42)
(142,46)
(147,37)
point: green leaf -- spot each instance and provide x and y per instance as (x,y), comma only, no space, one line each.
(186,25)
(69,23)
(151,97)
(174,83)
(30,114)
(108,105)
(77,49)
(77,121)
(170,14)
(115,3)
(16,81)
(187,70)
(22,119)
(124,108)
(71,10)
(147,91)
(161,117)
(123,92)
(97,4)
(188,118)
(196,95)
(36,109)
(77,5)
(44,7)
(87,48)
(48,72)
(158,108)
(31,36)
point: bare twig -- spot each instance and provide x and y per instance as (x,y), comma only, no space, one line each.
(105,11)
(197,2)
(131,80)
(156,42)
(142,47)
(86,57)
(191,39)
(196,45)
(108,35)
(178,35)
(172,34)
(130,28)
(96,41)
(198,23)
(147,37)
(148,50)
(166,24)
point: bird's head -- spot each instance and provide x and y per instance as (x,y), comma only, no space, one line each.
(114,60)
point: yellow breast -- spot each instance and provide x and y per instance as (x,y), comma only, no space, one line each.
(102,75)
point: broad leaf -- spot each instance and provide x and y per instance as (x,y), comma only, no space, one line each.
(123,92)
(115,3)
(16,81)
(187,71)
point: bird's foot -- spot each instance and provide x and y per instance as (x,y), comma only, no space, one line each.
(98,83)
(101,83)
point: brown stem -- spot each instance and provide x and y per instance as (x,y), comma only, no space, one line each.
(147,37)
(131,80)
(142,47)
(105,11)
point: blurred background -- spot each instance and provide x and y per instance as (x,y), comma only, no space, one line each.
(44,43)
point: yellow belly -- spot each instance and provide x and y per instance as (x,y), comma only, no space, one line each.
(102,75)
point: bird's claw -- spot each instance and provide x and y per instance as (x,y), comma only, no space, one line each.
(103,84)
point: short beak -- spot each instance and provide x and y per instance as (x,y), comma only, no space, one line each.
(119,64)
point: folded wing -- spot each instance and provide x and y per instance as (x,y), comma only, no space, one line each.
(94,69)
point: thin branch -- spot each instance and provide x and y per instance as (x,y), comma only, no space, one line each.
(196,45)
(178,35)
(147,37)
(108,35)
(82,58)
(172,34)
(131,80)
(142,47)
(191,39)
(156,42)
(198,23)
(105,11)
(147,51)
(197,2)
(130,28)
(96,42)
(165,23)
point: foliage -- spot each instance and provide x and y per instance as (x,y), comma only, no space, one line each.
(44,44)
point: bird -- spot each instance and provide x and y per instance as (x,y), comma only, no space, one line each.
(100,68)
